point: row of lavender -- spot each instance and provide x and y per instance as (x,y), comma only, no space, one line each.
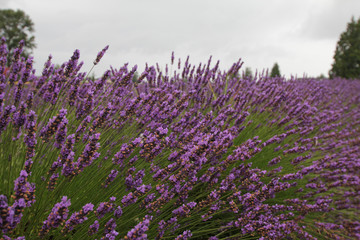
(196,153)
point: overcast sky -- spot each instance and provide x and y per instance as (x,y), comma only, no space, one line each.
(300,35)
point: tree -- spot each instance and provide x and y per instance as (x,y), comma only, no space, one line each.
(135,77)
(275,71)
(321,76)
(16,26)
(347,53)
(247,73)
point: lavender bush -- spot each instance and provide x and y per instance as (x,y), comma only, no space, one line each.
(184,152)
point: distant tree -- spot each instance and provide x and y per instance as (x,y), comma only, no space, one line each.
(135,77)
(92,77)
(248,73)
(275,71)
(321,76)
(16,26)
(347,54)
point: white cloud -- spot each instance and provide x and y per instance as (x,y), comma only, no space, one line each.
(328,21)
(4,3)
(299,35)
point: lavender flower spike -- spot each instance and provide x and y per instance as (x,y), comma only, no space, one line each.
(89,154)
(100,55)
(58,215)
(138,232)
(53,125)
(71,65)
(110,178)
(93,228)
(185,235)
(78,217)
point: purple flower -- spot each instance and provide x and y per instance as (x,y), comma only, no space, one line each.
(138,232)
(58,215)
(274,161)
(118,212)
(172,57)
(100,83)
(60,136)
(74,89)
(93,228)
(128,199)
(110,178)
(52,126)
(86,105)
(134,181)
(103,115)
(9,238)
(4,118)
(30,137)
(89,154)
(100,55)
(105,207)
(67,149)
(72,63)
(125,151)
(18,51)
(11,215)
(27,71)
(3,210)
(110,236)
(78,217)
(23,189)
(162,131)
(52,181)
(133,160)
(69,167)
(3,47)
(185,235)
(82,127)
(19,116)
(184,210)
(110,226)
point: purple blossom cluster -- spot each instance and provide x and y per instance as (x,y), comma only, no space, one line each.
(196,153)
(89,154)
(109,230)
(57,216)
(105,207)
(100,55)
(78,217)
(11,215)
(23,189)
(110,178)
(53,125)
(138,232)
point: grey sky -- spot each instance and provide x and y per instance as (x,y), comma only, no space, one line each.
(300,35)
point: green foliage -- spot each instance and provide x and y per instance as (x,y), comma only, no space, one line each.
(347,54)
(135,77)
(16,26)
(248,73)
(275,71)
(321,76)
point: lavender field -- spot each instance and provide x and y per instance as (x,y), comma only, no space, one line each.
(179,152)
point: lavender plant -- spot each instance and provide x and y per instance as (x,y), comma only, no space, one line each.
(196,154)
